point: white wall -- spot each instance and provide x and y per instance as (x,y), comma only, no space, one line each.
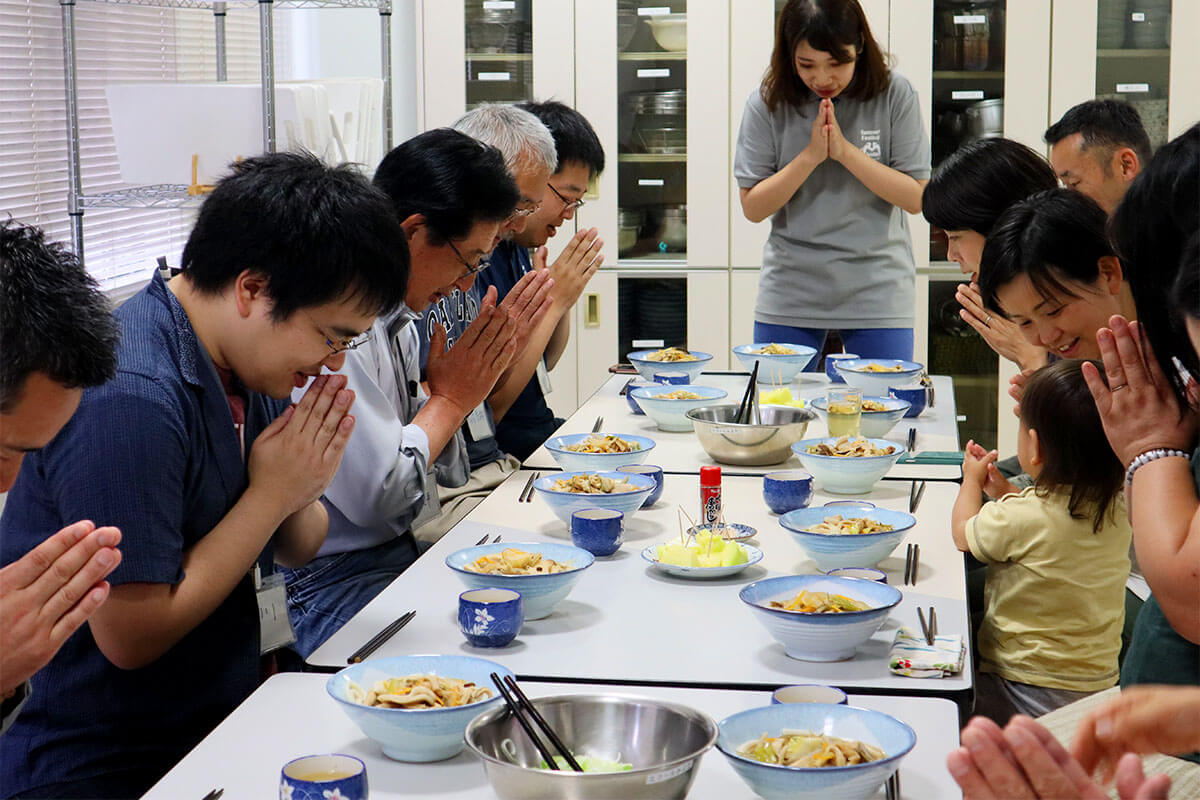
(344,43)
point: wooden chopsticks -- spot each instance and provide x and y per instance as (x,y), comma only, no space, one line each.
(519,706)
(911,561)
(526,495)
(379,638)
(928,629)
(914,496)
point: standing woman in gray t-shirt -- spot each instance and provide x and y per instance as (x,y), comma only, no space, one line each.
(832,148)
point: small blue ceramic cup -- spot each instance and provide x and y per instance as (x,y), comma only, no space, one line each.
(866,573)
(831,370)
(600,531)
(916,394)
(630,399)
(672,378)
(650,471)
(786,490)
(490,617)
(323,777)
(809,693)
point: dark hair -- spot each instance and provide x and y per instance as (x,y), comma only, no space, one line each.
(1185,294)
(980,180)
(454,181)
(830,26)
(53,317)
(1104,123)
(1054,238)
(1076,455)
(1159,212)
(574,138)
(317,233)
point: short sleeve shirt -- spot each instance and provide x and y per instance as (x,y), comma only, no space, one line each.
(838,255)
(155,453)
(1055,591)
(456,313)
(509,263)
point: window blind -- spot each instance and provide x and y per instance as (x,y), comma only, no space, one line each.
(114,42)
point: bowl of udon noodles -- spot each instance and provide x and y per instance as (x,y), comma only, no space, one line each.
(568,492)
(416,707)
(599,451)
(820,617)
(814,751)
(669,359)
(778,363)
(836,536)
(875,375)
(543,572)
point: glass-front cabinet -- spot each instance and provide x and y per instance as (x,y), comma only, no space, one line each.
(498,35)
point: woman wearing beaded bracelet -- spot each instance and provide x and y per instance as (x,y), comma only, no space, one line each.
(1152,406)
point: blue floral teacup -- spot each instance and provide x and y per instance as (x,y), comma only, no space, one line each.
(490,617)
(328,777)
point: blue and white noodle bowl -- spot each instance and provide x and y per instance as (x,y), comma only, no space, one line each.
(847,474)
(851,549)
(646,368)
(852,782)
(857,372)
(820,637)
(539,593)
(564,504)
(873,424)
(430,734)
(775,368)
(572,460)
(671,415)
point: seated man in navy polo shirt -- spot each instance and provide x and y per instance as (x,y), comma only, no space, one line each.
(518,402)
(56,336)
(194,452)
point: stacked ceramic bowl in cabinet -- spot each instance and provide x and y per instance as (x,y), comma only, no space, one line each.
(659,121)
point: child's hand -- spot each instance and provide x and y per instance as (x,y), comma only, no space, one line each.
(975,463)
(996,485)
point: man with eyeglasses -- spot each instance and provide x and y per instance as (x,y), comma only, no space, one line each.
(524,420)
(529,155)
(451,194)
(194,452)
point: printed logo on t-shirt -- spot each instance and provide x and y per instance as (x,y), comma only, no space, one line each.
(454,314)
(870,143)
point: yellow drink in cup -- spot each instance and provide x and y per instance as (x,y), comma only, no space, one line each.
(844,411)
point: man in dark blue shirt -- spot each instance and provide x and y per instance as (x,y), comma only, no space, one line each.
(56,337)
(518,403)
(195,454)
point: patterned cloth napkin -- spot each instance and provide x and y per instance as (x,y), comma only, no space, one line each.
(911,656)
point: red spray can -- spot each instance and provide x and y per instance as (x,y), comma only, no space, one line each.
(710,496)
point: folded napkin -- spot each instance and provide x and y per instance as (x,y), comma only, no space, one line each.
(912,657)
(952,457)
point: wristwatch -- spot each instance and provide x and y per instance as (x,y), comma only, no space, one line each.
(1148,456)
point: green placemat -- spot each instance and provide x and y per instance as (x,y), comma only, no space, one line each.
(952,457)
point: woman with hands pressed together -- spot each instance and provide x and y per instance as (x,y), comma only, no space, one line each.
(1149,407)
(832,149)
(966,196)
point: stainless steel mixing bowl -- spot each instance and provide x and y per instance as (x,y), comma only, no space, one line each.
(663,741)
(750,445)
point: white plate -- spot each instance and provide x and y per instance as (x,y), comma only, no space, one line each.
(753,555)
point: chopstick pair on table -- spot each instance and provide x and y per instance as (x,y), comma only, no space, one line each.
(378,639)
(520,707)
(914,496)
(912,560)
(526,495)
(484,540)
(928,629)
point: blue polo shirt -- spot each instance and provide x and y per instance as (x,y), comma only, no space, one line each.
(155,453)
(529,421)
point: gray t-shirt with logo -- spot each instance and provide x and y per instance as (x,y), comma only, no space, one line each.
(838,256)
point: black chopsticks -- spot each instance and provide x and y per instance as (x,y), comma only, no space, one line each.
(928,629)
(914,496)
(379,638)
(518,706)
(526,495)
(484,540)
(743,413)
(599,424)
(912,440)
(911,560)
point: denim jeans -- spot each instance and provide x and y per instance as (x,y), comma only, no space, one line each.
(863,342)
(325,593)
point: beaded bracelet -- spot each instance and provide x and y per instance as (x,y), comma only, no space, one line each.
(1148,456)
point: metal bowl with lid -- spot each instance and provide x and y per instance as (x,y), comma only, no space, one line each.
(663,741)
(730,442)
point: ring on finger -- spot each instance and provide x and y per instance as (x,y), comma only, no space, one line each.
(1118,388)
(987,321)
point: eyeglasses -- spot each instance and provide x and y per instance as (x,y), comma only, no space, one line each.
(568,205)
(524,212)
(484,262)
(341,345)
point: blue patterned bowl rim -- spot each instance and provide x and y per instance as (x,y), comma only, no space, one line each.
(861,584)
(645,482)
(568,551)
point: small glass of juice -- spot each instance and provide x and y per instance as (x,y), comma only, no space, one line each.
(844,406)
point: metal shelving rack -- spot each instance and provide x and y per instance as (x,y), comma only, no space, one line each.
(173,195)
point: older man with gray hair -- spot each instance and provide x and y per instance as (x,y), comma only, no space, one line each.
(529,154)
